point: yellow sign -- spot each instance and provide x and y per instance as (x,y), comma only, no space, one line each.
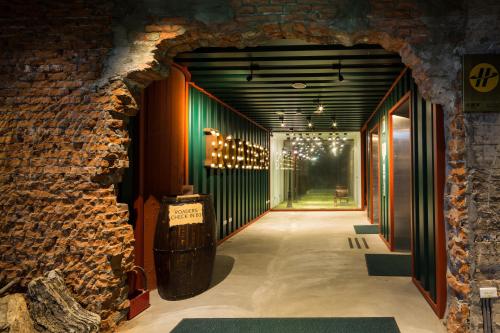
(185,214)
(483,77)
(227,152)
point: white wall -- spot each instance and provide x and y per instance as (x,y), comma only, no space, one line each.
(276,172)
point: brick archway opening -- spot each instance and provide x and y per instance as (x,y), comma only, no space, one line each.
(168,38)
(73,81)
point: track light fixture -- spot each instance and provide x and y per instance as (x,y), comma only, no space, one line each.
(341,77)
(253,67)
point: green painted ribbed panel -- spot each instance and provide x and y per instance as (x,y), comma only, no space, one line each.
(423,204)
(424,211)
(239,195)
(381,118)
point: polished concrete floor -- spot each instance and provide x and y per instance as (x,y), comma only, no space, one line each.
(297,264)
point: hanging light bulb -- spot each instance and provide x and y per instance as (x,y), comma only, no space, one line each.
(319,108)
(334,122)
(282,119)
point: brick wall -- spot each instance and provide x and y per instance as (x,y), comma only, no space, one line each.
(63,102)
(60,151)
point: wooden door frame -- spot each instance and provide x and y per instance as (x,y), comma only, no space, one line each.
(362,135)
(405,98)
(370,134)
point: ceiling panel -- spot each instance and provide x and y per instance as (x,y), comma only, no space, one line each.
(368,71)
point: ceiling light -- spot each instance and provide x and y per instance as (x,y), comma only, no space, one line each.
(299,85)
(309,122)
(334,122)
(282,119)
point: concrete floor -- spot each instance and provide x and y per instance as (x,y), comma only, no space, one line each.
(297,264)
(319,199)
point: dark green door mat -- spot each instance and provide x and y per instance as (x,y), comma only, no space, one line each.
(366,229)
(388,264)
(288,325)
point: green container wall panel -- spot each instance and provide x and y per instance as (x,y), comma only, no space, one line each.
(239,195)
(424,210)
(402,87)
(423,200)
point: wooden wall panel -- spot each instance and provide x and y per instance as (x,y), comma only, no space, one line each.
(165,130)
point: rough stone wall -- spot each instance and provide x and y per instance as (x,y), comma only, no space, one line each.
(60,147)
(483,179)
(63,147)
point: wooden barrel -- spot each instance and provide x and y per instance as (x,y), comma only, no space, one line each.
(184,246)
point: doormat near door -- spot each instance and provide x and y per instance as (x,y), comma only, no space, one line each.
(288,325)
(388,264)
(366,229)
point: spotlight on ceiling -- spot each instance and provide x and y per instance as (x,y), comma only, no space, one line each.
(309,122)
(282,120)
(334,122)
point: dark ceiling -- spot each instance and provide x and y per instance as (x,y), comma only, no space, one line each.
(368,72)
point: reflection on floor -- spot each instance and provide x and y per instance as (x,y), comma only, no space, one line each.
(319,199)
(297,264)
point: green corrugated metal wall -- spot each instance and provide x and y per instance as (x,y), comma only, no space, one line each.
(402,87)
(423,213)
(239,195)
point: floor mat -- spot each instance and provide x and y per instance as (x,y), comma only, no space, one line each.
(288,325)
(366,229)
(388,264)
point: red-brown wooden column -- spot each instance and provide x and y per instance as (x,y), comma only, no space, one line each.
(164,130)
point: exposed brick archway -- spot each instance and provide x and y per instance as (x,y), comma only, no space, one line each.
(429,39)
(172,36)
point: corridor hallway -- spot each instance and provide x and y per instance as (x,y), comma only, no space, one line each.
(297,264)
